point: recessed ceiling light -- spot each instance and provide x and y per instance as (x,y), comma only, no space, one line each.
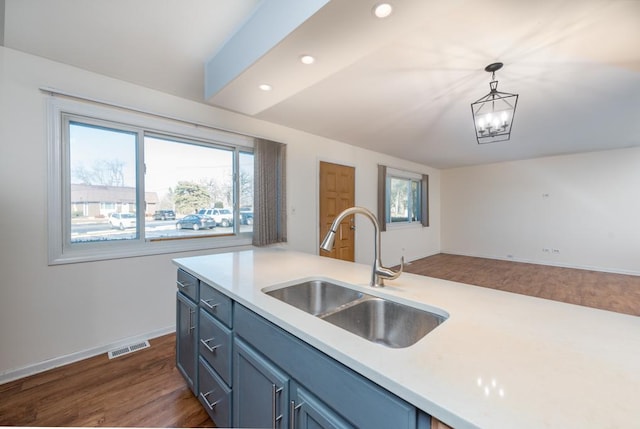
(307,59)
(265,87)
(382,10)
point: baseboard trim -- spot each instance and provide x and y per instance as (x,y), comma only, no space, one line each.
(547,263)
(26,371)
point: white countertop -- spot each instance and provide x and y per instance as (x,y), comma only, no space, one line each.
(501,360)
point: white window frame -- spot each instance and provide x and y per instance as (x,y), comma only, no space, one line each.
(407,175)
(60,248)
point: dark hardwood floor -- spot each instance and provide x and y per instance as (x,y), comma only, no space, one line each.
(607,291)
(142,389)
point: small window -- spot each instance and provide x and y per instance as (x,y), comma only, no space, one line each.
(404,200)
(403,197)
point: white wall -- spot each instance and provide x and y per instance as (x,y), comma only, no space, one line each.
(585,206)
(50,312)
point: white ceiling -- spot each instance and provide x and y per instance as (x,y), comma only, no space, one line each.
(402,85)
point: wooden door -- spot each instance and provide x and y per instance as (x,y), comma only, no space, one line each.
(337,192)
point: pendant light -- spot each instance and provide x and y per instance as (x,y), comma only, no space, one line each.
(493,113)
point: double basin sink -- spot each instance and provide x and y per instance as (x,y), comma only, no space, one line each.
(376,319)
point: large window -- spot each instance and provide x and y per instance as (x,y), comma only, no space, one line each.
(126,184)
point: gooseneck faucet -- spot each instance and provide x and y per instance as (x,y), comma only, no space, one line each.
(378,273)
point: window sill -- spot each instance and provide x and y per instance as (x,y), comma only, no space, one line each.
(137,249)
(403,225)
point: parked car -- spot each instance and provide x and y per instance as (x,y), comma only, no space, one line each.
(246,217)
(196,222)
(164,215)
(223,217)
(122,220)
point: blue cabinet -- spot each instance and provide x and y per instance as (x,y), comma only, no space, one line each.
(308,412)
(186,328)
(215,345)
(340,397)
(260,392)
(265,396)
(214,348)
(214,395)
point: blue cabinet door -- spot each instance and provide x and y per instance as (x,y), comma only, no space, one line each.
(308,412)
(260,390)
(186,339)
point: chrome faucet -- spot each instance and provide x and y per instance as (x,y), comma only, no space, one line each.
(378,273)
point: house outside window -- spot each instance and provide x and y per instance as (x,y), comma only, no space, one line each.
(112,171)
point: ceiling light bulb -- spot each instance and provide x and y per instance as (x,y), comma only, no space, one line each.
(382,10)
(265,87)
(307,59)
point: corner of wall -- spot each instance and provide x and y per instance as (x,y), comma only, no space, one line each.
(2,15)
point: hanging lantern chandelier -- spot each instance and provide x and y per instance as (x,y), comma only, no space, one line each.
(493,113)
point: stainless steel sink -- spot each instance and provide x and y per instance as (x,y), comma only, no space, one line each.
(376,319)
(386,322)
(317,297)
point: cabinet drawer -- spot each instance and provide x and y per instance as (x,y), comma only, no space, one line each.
(214,395)
(188,285)
(215,303)
(215,345)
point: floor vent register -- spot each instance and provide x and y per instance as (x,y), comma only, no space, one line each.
(125,350)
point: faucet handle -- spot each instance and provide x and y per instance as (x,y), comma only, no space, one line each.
(401,267)
(388,273)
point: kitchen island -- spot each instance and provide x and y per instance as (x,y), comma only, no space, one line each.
(500,360)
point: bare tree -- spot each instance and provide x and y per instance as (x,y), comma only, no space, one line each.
(246,188)
(221,191)
(103,172)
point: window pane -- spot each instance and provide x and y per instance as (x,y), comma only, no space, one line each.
(188,189)
(102,171)
(398,200)
(246,191)
(404,200)
(415,201)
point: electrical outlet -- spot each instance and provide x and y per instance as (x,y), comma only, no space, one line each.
(556,250)
(545,249)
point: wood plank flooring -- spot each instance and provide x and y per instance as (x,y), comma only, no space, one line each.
(142,389)
(607,291)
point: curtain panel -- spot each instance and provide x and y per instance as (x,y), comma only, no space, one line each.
(424,209)
(269,193)
(382,197)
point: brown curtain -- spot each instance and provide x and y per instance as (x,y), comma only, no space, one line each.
(269,193)
(382,197)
